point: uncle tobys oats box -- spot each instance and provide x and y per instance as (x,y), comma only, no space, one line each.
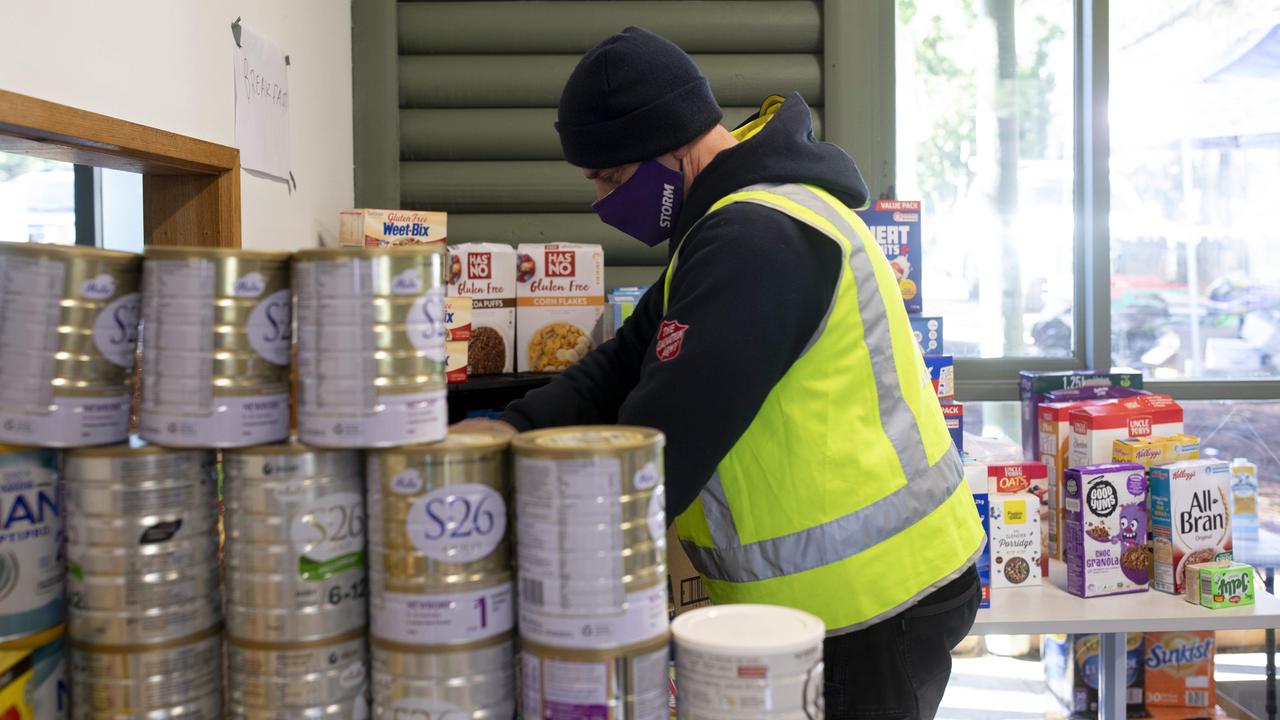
(386,228)
(1029,477)
(1105,533)
(1190,518)
(559,304)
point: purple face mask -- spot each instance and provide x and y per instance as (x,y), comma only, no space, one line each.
(647,205)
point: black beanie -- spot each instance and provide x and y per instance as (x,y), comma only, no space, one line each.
(633,97)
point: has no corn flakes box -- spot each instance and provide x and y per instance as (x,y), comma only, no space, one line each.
(895,225)
(559,304)
(1190,518)
(486,273)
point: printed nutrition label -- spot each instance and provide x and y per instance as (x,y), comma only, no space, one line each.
(29,315)
(569,530)
(177,322)
(443,619)
(336,368)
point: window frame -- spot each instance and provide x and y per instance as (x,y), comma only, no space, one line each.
(862,35)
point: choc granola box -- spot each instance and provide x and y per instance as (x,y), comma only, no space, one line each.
(1190,518)
(1105,533)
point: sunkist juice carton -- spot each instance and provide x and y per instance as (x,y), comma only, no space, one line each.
(1095,428)
(895,225)
(1034,384)
(1190,518)
(976,475)
(1025,477)
(1179,669)
(384,228)
(486,274)
(560,306)
(1105,530)
(1072,667)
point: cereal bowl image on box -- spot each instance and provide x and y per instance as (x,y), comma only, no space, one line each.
(559,305)
(1015,539)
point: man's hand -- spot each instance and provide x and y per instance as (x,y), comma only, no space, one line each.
(483,425)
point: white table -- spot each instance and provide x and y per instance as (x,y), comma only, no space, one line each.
(1049,609)
(1264,554)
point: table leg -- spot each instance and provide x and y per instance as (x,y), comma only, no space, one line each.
(1270,577)
(1113,673)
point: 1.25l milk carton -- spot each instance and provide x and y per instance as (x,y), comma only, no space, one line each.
(1095,428)
(1190,518)
(486,273)
(1105,530)
(559,304)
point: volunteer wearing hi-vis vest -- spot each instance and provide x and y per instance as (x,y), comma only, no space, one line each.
(808,463)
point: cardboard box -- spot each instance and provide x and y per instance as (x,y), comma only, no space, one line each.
(942,370)
(1179,670)
(1191,590)
(486,274)
(1033,385)
(928,332)
(457,319)
(1226,586)
(455,361)
(684,584)
(1031,477)
(560,306)
(622,302)
(1105,530)
(1014,521)
(976,475)
(1190,518)
(1096,427)
(383,228)
(1072,667)
(1156,450)
(954,413)
(895,225)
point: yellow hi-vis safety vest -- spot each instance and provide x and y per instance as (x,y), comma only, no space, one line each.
(845,496)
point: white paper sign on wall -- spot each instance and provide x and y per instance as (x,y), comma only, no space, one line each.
(262,105)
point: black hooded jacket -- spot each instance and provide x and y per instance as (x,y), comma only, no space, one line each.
(751,286)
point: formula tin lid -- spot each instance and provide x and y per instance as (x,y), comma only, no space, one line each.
(464,442)
(577,440)
(166,252)
(66,251)
(748,629)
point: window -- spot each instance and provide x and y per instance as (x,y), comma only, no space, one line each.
(984,138)
(1195,177)
(37,200)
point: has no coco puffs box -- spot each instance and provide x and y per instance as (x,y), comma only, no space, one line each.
(1025,477)
(1095,428)
(976,475)
(1190,518)
(928,332)
(1015,539)
(1105,530)
(1033,385)
(1179,668)
(559,304)
(954,413)
(486,273)
(895,225)
(383,228)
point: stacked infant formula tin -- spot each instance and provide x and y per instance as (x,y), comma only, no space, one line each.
(442,603)
(591,555)
(295,583)
(143,583)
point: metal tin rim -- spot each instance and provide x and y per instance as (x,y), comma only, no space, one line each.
(70,251)
(531,443)
(589,655)
(124,648)
(325,253)
(350,636)
(170,251)
(491,442)
(133,449)
(291,446)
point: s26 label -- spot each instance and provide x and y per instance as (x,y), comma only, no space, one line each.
(332,525)
(458,524)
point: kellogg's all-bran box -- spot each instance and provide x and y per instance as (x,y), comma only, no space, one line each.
(1179,667)
(1105,530)
(486,273)
(1029,477)
(384,228)
(1095,428)
(559,304)
(1190,518)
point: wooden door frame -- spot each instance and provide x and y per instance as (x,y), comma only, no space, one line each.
(190,188)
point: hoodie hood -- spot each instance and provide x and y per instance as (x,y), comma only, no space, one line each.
(776,146)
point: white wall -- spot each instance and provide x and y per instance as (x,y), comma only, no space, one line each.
(168,64)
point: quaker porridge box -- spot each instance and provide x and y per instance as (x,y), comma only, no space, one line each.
(1105,533)
(486,273)
(895,225)
(559,304)
(1190,518)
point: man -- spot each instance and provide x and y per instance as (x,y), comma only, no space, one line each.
(808,463)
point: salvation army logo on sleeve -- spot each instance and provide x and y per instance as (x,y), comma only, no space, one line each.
(670,339)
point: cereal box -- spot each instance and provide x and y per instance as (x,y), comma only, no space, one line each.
(455,361)
(976,475)
(457,319)
(928,332)
(1072,667)
(1034,384)
(1190,518)
(1095,428)
(942,370)
(1225,586)
(1156,450)
(1015,539)
(1105,530)
(954,413)
(895,224)
(1179,668)
(559,304)
(1032,477)
(486,273)
(684,585)
(383,228)
(1191,591)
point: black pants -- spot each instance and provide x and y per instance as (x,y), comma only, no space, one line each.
(898,669)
